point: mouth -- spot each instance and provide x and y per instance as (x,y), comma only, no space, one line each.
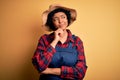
(61,25)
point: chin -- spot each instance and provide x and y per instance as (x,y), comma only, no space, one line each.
(63,27)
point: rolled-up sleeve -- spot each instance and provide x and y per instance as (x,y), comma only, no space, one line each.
(43,55)
(78,71)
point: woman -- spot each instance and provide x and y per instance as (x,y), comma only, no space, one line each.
(60,54)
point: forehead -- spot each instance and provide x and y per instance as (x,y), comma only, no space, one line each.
(59,14)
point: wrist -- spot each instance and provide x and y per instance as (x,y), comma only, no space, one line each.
(54,71)
(54,42)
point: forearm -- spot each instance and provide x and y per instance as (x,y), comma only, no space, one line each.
(41,59)
(53,71)
(77,72)
(54,42)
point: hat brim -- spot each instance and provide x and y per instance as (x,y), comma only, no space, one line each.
(55,6)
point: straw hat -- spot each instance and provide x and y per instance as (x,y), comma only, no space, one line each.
(55,6)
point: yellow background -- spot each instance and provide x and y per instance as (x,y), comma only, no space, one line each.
(97,24)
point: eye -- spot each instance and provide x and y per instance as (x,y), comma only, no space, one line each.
(55,19)
(63,17)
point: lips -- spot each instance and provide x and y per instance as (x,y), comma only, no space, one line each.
(61,24)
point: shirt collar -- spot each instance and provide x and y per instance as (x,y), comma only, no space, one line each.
(69,36)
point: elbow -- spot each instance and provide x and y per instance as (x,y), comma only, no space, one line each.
(37,65)
(82,72)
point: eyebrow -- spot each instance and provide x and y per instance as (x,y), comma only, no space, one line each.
(60,16)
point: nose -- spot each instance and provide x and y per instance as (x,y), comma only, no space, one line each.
(60,20)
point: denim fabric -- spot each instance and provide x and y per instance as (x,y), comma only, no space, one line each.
(62,57)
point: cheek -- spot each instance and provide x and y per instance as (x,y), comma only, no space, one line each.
(55,24)
(66,21)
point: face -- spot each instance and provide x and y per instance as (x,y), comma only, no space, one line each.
(60,20)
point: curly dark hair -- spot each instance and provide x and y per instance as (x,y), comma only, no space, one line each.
(49,22)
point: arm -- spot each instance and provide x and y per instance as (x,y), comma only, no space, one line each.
(45,51)
(43,54)
(53,71)
(79,70)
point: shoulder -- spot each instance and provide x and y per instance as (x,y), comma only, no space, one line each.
(77,39)
(43,37)
(46,38)
(78,42)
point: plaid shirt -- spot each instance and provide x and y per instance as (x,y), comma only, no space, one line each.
(44,52)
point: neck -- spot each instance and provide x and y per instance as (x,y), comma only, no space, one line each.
(64,33)
(64,36)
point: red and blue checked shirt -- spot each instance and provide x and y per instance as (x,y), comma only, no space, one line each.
(44,52)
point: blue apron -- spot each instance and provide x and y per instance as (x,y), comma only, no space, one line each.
(63,57)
